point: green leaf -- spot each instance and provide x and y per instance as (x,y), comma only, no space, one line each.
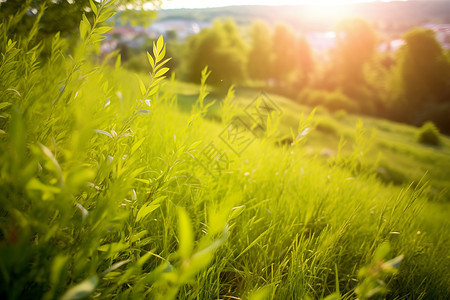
(334,296)
(103,132)
(118,62)
(185,234)
(261,294)
(218,219)
(145,210)
(161,72)
(151,61)
(83,28)
(159,199)
(381,252)
(57,269)
(236,211)
(198,262)
(81,290)
(155,51)
(160,44)
(97,38)
(162,63)
(93,7)
(86,25)
(141,85)
(108,3)
(105,86)
(113,248)
(205,74)
(137,145)
(4,104)
(161,55)
(17,135)
(115,267)
(47,191)
(153,91)
(106,15)
(103,29)
(136,172)
(156,81)
(338,292)
(53,160)
(138,236)
(254,242)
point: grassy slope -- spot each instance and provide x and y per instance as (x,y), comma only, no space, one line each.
(291,217)
(103,198)
(347,205)
(393,148)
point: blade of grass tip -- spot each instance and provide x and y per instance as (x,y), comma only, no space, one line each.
(254,242)
(338,292)
(115,267)
(81,290)
(53,160)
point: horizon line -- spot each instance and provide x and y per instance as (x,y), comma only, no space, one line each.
(217,4)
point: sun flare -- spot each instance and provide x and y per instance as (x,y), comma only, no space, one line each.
(217,3)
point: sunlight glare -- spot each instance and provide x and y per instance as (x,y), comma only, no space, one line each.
(328,9)
(170,4)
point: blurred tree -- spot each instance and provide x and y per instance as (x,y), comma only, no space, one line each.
(422,80)
(284,50)
(232,35)
(172,36)
(356,44)
(424,68)
(222,49)
(304,61)
(259,56)
(60,16)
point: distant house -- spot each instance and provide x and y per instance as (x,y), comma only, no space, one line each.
(183,28)
(391,45)
(128,35)
(321,42)
(442,35)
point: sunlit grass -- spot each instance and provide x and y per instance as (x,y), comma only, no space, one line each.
(103,194)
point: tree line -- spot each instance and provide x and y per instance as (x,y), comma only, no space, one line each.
(410,85)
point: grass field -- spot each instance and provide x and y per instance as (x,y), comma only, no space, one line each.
(113,189)
(392,149)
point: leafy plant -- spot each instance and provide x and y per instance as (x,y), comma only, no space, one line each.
(101,194)
(429,134)
(373,276)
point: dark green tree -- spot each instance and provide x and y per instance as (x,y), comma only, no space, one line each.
(259,56)
(222,49)
(424,68)
(62,16)
(422,82)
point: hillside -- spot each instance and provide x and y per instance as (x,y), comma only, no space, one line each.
(124,185)
(390,17)
(392,148)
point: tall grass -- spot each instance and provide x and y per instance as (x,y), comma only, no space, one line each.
(103,196)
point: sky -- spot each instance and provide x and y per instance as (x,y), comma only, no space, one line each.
(168,4)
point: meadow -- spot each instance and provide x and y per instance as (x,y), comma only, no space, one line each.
(133,186)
